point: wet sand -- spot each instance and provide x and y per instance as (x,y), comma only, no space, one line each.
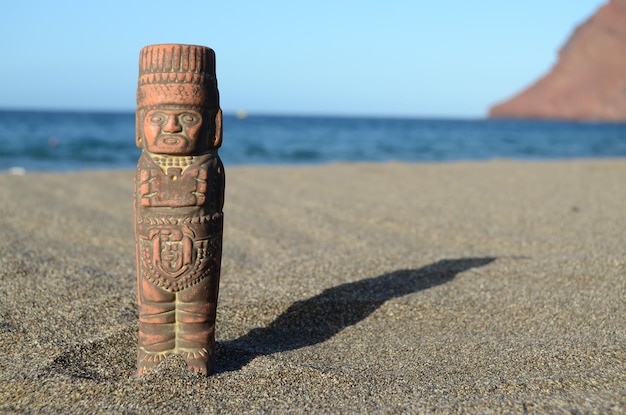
(478,287)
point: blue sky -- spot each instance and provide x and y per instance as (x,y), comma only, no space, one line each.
(411,58)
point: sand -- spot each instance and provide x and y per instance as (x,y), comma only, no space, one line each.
(476,287)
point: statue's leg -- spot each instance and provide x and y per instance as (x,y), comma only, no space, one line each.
(195,315)
(157,325)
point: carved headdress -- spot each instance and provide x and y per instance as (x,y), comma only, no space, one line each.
(177,75)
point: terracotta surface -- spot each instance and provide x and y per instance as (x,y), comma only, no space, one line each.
(179,195)
(588,81)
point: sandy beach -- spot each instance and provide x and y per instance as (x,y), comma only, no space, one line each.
(465,287)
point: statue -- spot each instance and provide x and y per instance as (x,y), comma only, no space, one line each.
(179,195)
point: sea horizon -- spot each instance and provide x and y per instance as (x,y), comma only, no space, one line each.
(62,140)
(235,113)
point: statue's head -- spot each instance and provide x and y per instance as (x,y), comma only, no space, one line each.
(177,100)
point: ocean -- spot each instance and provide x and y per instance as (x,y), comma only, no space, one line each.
(65,141)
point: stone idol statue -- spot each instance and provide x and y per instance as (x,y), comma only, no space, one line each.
(179,195)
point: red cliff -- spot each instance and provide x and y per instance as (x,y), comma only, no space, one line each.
(588,81)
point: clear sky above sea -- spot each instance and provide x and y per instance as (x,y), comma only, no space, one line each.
(411,58)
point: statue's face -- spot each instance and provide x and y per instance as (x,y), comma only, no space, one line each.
(176,131)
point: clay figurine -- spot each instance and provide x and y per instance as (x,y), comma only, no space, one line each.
(179,195)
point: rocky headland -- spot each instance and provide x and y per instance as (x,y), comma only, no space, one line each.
(588,82)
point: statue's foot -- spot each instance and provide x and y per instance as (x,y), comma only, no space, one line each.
(199,361)
(147,361)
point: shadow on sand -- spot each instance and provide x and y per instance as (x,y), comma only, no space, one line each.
(318,318)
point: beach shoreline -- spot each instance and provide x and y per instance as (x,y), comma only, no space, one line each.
(475,286)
